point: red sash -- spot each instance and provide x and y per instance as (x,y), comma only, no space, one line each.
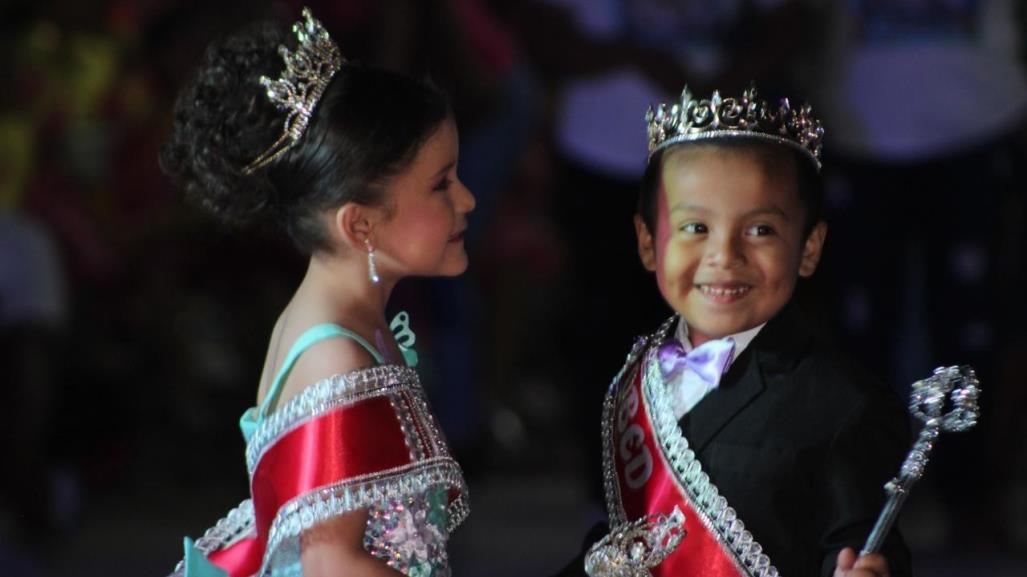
(650,471)
(363,445)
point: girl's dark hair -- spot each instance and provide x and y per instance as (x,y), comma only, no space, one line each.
(807,181)
(366,128)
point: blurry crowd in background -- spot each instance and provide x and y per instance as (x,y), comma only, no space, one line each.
(132,328)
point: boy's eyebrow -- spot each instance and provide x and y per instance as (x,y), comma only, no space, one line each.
(688,207)
(773,210)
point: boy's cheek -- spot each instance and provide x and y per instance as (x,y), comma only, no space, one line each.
(661,245)
(662,236)
(661,277)
(670,271)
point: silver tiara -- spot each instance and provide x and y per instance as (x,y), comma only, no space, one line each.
(693,119)
(308,71)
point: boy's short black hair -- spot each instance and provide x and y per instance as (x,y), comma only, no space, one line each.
(807,179)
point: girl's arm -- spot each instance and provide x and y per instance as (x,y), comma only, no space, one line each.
(335,548)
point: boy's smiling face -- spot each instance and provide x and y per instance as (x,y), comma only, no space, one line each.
(728,246)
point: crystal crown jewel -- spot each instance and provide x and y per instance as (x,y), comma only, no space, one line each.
(308,70)
(692,120)
(632,549)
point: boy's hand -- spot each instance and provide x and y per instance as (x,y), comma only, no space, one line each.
(871,565)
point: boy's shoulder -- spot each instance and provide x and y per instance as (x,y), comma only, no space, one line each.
(797,354)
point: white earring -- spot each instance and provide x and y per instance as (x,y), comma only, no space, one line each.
(372,267)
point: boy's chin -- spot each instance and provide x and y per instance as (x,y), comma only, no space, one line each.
(709,331)
(699,336)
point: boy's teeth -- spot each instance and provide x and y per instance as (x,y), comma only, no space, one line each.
(720,291)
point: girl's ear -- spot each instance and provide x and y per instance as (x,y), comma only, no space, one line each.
(646,251)
(352,225)
(812,249)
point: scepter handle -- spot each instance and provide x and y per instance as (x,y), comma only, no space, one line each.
(885,520)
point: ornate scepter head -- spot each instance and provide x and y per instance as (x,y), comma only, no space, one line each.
(958,385)
(955,388)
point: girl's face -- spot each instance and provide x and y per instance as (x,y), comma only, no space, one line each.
(425,234)
(728,245)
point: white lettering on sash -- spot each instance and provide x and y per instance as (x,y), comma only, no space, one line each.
(628,408)
(633,450)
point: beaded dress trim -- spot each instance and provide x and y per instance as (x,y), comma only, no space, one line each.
(712,508)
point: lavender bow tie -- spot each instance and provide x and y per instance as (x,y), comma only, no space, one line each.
(709,360)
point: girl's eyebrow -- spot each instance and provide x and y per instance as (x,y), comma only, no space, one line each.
(445,169)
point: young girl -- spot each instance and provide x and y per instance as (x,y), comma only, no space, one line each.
(349,474)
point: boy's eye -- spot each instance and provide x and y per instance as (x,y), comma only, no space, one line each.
(760,230)
(693,228)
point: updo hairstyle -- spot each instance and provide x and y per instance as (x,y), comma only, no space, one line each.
(366,128)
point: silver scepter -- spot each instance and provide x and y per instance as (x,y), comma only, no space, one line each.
(958,385)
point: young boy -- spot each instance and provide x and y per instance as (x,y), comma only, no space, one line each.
(773,445)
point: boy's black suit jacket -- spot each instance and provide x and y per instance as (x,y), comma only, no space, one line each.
(800,441)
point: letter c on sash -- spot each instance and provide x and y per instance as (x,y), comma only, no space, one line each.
(634,477)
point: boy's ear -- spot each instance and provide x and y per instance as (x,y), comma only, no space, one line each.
(646,250)
(812,249)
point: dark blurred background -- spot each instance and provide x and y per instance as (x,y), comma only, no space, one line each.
(132,329)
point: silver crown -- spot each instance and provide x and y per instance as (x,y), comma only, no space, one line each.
(692,119)
(308,70)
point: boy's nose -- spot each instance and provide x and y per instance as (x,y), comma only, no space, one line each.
(723,251)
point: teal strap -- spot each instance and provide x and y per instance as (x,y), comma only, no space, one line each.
(310,337)
(196,565)
(248,423)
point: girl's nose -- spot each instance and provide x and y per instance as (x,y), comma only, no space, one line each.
(465,201)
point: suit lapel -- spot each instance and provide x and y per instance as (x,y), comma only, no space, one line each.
(740,386)
(777,348)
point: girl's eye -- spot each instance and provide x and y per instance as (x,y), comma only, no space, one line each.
(760,230)
(693,228)
(443,184)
